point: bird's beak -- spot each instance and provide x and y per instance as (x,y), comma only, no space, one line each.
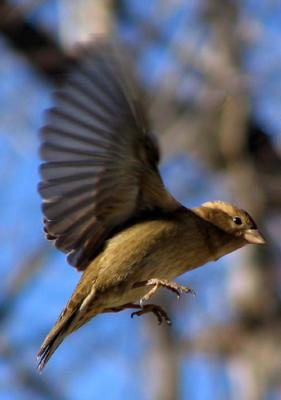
(254,236)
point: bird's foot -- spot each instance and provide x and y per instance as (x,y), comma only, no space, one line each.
(157,283)
(160,314)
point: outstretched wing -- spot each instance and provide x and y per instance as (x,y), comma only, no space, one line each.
(99,158)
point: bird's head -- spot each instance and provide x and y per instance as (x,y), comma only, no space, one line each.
(232,220)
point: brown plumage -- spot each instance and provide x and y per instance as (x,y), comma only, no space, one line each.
(105,205)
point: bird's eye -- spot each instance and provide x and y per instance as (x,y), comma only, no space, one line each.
(237,220)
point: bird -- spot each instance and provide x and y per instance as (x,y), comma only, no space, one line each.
(105,204)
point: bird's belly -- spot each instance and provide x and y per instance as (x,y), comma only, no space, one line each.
(126,292)
(164,257)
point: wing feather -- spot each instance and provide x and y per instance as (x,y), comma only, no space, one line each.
(99,157)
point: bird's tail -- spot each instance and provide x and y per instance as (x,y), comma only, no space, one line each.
(62,328)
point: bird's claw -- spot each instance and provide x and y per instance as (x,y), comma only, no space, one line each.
(157,283)
(178,289)
(160,314)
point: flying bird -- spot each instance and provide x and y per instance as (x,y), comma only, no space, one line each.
(105,204)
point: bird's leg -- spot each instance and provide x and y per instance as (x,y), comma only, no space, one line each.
(157,283)
(121,308)
(156,310)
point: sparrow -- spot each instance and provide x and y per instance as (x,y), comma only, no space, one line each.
(105,204)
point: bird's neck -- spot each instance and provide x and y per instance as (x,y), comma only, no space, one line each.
(222,243)
(219,242)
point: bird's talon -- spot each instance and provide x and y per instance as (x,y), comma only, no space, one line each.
(159,313)
(135,313)
(159,318)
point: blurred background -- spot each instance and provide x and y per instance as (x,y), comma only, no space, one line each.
(212,72)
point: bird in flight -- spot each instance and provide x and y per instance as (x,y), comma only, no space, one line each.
(105,204)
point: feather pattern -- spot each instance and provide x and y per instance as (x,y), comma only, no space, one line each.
(99,158)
